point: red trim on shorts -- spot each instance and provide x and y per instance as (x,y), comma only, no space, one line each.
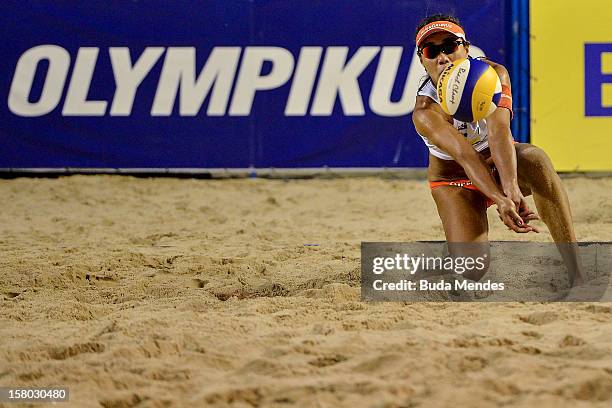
(464,183)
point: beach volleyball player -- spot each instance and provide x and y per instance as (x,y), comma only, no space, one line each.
(474,165)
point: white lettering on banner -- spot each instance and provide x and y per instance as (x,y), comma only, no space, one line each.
(21,87)
(339,79)
(128,77)
(386,76)
(250,79)
(303,81)
(76,103)
(179,69)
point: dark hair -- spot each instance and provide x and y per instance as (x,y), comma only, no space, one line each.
(437,17)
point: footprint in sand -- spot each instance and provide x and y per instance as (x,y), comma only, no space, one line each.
(198,283)
(539,318)
(571,341)
(326,361)
(101,280)
(64,352)
(11,294)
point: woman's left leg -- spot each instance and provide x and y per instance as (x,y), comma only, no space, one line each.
(537,176)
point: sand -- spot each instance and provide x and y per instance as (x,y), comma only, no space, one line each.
(165,292)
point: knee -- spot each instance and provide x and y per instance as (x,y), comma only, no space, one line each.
(536,159)
(535,169)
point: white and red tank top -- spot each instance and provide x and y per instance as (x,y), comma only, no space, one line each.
(474,132)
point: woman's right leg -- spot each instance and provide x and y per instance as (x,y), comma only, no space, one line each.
(464,218)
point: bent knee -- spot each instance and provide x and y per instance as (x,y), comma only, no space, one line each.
(533,157)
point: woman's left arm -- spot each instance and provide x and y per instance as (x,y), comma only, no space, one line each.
(501,142)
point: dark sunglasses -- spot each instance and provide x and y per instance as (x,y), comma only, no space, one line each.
(447,47)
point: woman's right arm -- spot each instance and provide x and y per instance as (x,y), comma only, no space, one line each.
(430,121)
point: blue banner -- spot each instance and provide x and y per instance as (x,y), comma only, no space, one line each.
(220,84)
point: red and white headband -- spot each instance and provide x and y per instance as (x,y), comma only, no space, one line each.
(436,27)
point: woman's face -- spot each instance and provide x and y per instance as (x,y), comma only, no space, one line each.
(434,66)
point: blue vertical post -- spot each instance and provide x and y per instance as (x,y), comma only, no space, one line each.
(514,63)
(519,69)
(525,123)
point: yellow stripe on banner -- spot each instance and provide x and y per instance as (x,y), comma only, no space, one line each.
(606,63)
(606,89)
(559,31)
(606,95)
